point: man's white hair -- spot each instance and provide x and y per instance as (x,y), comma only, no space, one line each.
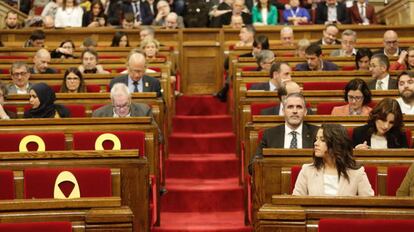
(120,89)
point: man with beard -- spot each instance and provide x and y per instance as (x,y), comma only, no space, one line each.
(10,21)
(293,134)
(406,90)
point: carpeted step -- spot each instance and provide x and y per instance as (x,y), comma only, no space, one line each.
(202,195)
(206,166)
(189,143)
(199,124)
(199,105)
(203,222)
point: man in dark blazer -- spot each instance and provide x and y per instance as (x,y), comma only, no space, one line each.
(368,13)
(293,134)
(279,73)
(379,65)
(136,80)
(314,61)
(323,17)
(238,9)
(138,8)
(329,35)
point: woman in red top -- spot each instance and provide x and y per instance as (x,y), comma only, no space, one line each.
(405,61)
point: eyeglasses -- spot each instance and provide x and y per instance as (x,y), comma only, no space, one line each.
(355,98)
(126,106)
(19,74)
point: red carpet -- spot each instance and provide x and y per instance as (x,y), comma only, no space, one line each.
(202,172)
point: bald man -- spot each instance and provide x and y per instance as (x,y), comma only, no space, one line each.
(41,63)
(136,80)
(286,36)
(391,47)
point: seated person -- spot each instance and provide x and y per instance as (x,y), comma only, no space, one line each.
(405,60)
(36,39)
(406,92)
(42,99)
(41,62)
(136,80)
(296,15)
(362,59)
(89,44)
(128,22)
(236,22)
(294,133)
(4,113)
(329,35)
(246,35)
(358,96)
(379,67)
(219,9)
(384,128)
(73,82)
(279,73)
(120,39)
(285,89)
(64,51)
(238,8)
(334,172)
(20,75)
(331,11)
(347,45)
(264,60)
(172,22)
(406,188)
(90,63)
(286,36)
(146,32)
(95,17)
(150,48)
(69,15)
(10,21)
(363,13)
(391,44)
(163,10)
(122,105)
(264,13)
(314,61)
(301,48)
(260,42)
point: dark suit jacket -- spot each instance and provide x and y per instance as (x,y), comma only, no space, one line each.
(369,13)
(226,18)
(145,14)
(319,42)
(327,66)
(137,110)
(261,86)
(275,111)
(322,13)
(395,138)
(392,84)
(151,84)
(275,138)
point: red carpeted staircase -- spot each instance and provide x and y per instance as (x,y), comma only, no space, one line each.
(202,172)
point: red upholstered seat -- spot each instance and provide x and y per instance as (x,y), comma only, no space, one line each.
(395,176)
(371,171)
(93,182)
(77,111)
(249,68)
(96,106)
(324,85)
(14,57)
(325,108)
(10,108)
(128,139)
(36,227)
(348,68)
(257,107)
(364,225)
(6,185)
(53,141)
(55,88)
(156,69)
(93,88)
(249,85)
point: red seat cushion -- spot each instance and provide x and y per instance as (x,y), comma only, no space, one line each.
(364,225)
(348,68)
(10,108)
(7,185)
(96,106)
(257,107)
(36,226)
(395,176)
(325,108)
(249,68)
(55,88)
(128,139)
(93,88)
(53,141)
(93,182)
(324,85)
(76,111)
(155,69)
(294,172)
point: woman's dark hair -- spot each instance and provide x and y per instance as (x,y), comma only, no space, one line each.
(98,2)
(75,3)
(261,40)
(117,38)
(4,89)
(259,6)
(361,53)
(82,86)
(339,149)
(67,41)
(358,84)
(380,112)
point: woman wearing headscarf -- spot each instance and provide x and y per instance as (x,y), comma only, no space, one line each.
(42,99)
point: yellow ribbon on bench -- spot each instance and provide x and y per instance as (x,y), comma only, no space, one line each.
(32,138)
(107,136)
(62,177)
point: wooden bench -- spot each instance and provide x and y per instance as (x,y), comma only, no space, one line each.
(294,213)
(133,170)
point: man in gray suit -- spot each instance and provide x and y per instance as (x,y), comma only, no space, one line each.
(20,78)
(136,80)
(293,134)
(122,105)
(379,66)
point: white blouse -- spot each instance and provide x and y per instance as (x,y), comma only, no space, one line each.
(330,184)
(378,142)
(70,17)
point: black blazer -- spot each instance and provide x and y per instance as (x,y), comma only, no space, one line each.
(275,111)
(146,16)
(226,18)
(395,138)
(151,84)
(261,86)
(327,66)
(392,84)
(341,13)
(275,138)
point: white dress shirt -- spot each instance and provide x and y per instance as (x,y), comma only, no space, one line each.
(272,87)
(330,184)
(288,136)
(70,17)
(384,82)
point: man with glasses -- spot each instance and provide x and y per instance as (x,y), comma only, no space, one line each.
(347,45)
(122,105)
(379,66)
(136,80)
(406,90)
(20,78)
(391,47)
